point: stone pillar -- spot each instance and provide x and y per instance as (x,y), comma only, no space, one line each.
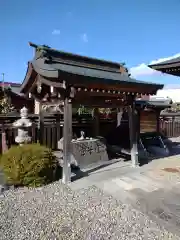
(133,134)
(67,137)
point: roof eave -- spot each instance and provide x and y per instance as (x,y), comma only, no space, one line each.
(29,73)
(154,86)
(164,69)
(164,65)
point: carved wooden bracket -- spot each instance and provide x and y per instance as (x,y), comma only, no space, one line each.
(70,92)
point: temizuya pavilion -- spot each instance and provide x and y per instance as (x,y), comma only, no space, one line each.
(171,66)
(75,80)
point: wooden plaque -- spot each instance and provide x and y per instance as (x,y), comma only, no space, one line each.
(148,121)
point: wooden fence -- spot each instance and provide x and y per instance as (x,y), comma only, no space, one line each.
(170,124)
(48,129)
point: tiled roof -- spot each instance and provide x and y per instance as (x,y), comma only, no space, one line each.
(105,72)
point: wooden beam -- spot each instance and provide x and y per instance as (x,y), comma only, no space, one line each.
(53,82)
(67,136)
(103,105)
(99,103)
(39,96)
(92,83)
(133,134)
(99,93)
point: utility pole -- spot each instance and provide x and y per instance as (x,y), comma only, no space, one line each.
(3,134)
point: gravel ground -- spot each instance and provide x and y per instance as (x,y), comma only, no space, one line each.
(56,212)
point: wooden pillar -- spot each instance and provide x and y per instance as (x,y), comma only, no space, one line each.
(67,137)
(96,122)
(133,134)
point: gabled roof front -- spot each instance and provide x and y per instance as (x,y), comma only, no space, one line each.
(53,64)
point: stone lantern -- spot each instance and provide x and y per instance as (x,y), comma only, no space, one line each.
(22,125)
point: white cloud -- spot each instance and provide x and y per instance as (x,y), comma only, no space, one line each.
(84,37)
(56,32)
(142,69)
(171,93)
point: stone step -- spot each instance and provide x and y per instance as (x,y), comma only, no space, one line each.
(126,189)
(136,181)
(119,193)
(147,183)
(124,183)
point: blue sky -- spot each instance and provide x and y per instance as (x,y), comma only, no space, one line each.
(132,31)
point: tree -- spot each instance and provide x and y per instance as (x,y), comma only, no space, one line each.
(5,104)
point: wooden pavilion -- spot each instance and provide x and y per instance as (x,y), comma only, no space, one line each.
(171,66)
(71,79)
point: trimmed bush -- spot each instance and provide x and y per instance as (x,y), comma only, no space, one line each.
(30,165)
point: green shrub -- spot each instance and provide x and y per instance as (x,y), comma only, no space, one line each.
(28,165)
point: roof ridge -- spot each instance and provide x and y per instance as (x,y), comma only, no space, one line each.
(46,47)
